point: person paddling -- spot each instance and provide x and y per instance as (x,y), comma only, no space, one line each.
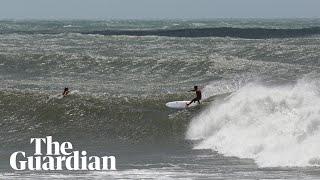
(65,92)
(198,93)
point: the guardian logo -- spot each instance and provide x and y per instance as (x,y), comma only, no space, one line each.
(59,157)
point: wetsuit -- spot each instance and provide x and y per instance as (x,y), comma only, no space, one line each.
(65,92)
(198,98)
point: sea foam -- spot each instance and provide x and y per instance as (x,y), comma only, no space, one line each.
(275,126)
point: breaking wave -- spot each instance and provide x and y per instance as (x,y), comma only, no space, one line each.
(275,126)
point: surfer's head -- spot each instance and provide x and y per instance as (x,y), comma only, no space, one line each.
(195,87)
(66,89)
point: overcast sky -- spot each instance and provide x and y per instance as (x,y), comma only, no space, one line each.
(157,9)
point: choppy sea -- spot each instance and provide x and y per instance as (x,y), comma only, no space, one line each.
(260,79)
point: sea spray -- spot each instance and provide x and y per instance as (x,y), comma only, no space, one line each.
(275,126)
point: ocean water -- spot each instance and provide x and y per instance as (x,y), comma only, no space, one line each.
(260,118)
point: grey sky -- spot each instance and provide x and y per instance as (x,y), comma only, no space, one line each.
(157,9)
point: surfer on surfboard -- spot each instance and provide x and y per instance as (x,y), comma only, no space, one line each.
(198,93)
(65,92)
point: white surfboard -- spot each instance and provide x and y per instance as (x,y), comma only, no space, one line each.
(180,104)
(60,96)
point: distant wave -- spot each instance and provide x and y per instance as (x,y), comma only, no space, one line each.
(249,33)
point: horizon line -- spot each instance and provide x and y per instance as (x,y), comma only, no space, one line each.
(157,19)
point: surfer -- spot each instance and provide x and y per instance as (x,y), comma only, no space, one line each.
(65,92)
(198,93)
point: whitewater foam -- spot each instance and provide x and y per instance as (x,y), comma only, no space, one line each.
(275,126)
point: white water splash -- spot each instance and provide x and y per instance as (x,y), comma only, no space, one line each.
(275,126)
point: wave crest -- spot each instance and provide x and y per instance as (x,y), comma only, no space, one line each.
(275,126)
(249,33)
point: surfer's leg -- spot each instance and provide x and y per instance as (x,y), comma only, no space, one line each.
(193,100)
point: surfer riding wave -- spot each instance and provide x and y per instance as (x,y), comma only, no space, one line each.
(198,93)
